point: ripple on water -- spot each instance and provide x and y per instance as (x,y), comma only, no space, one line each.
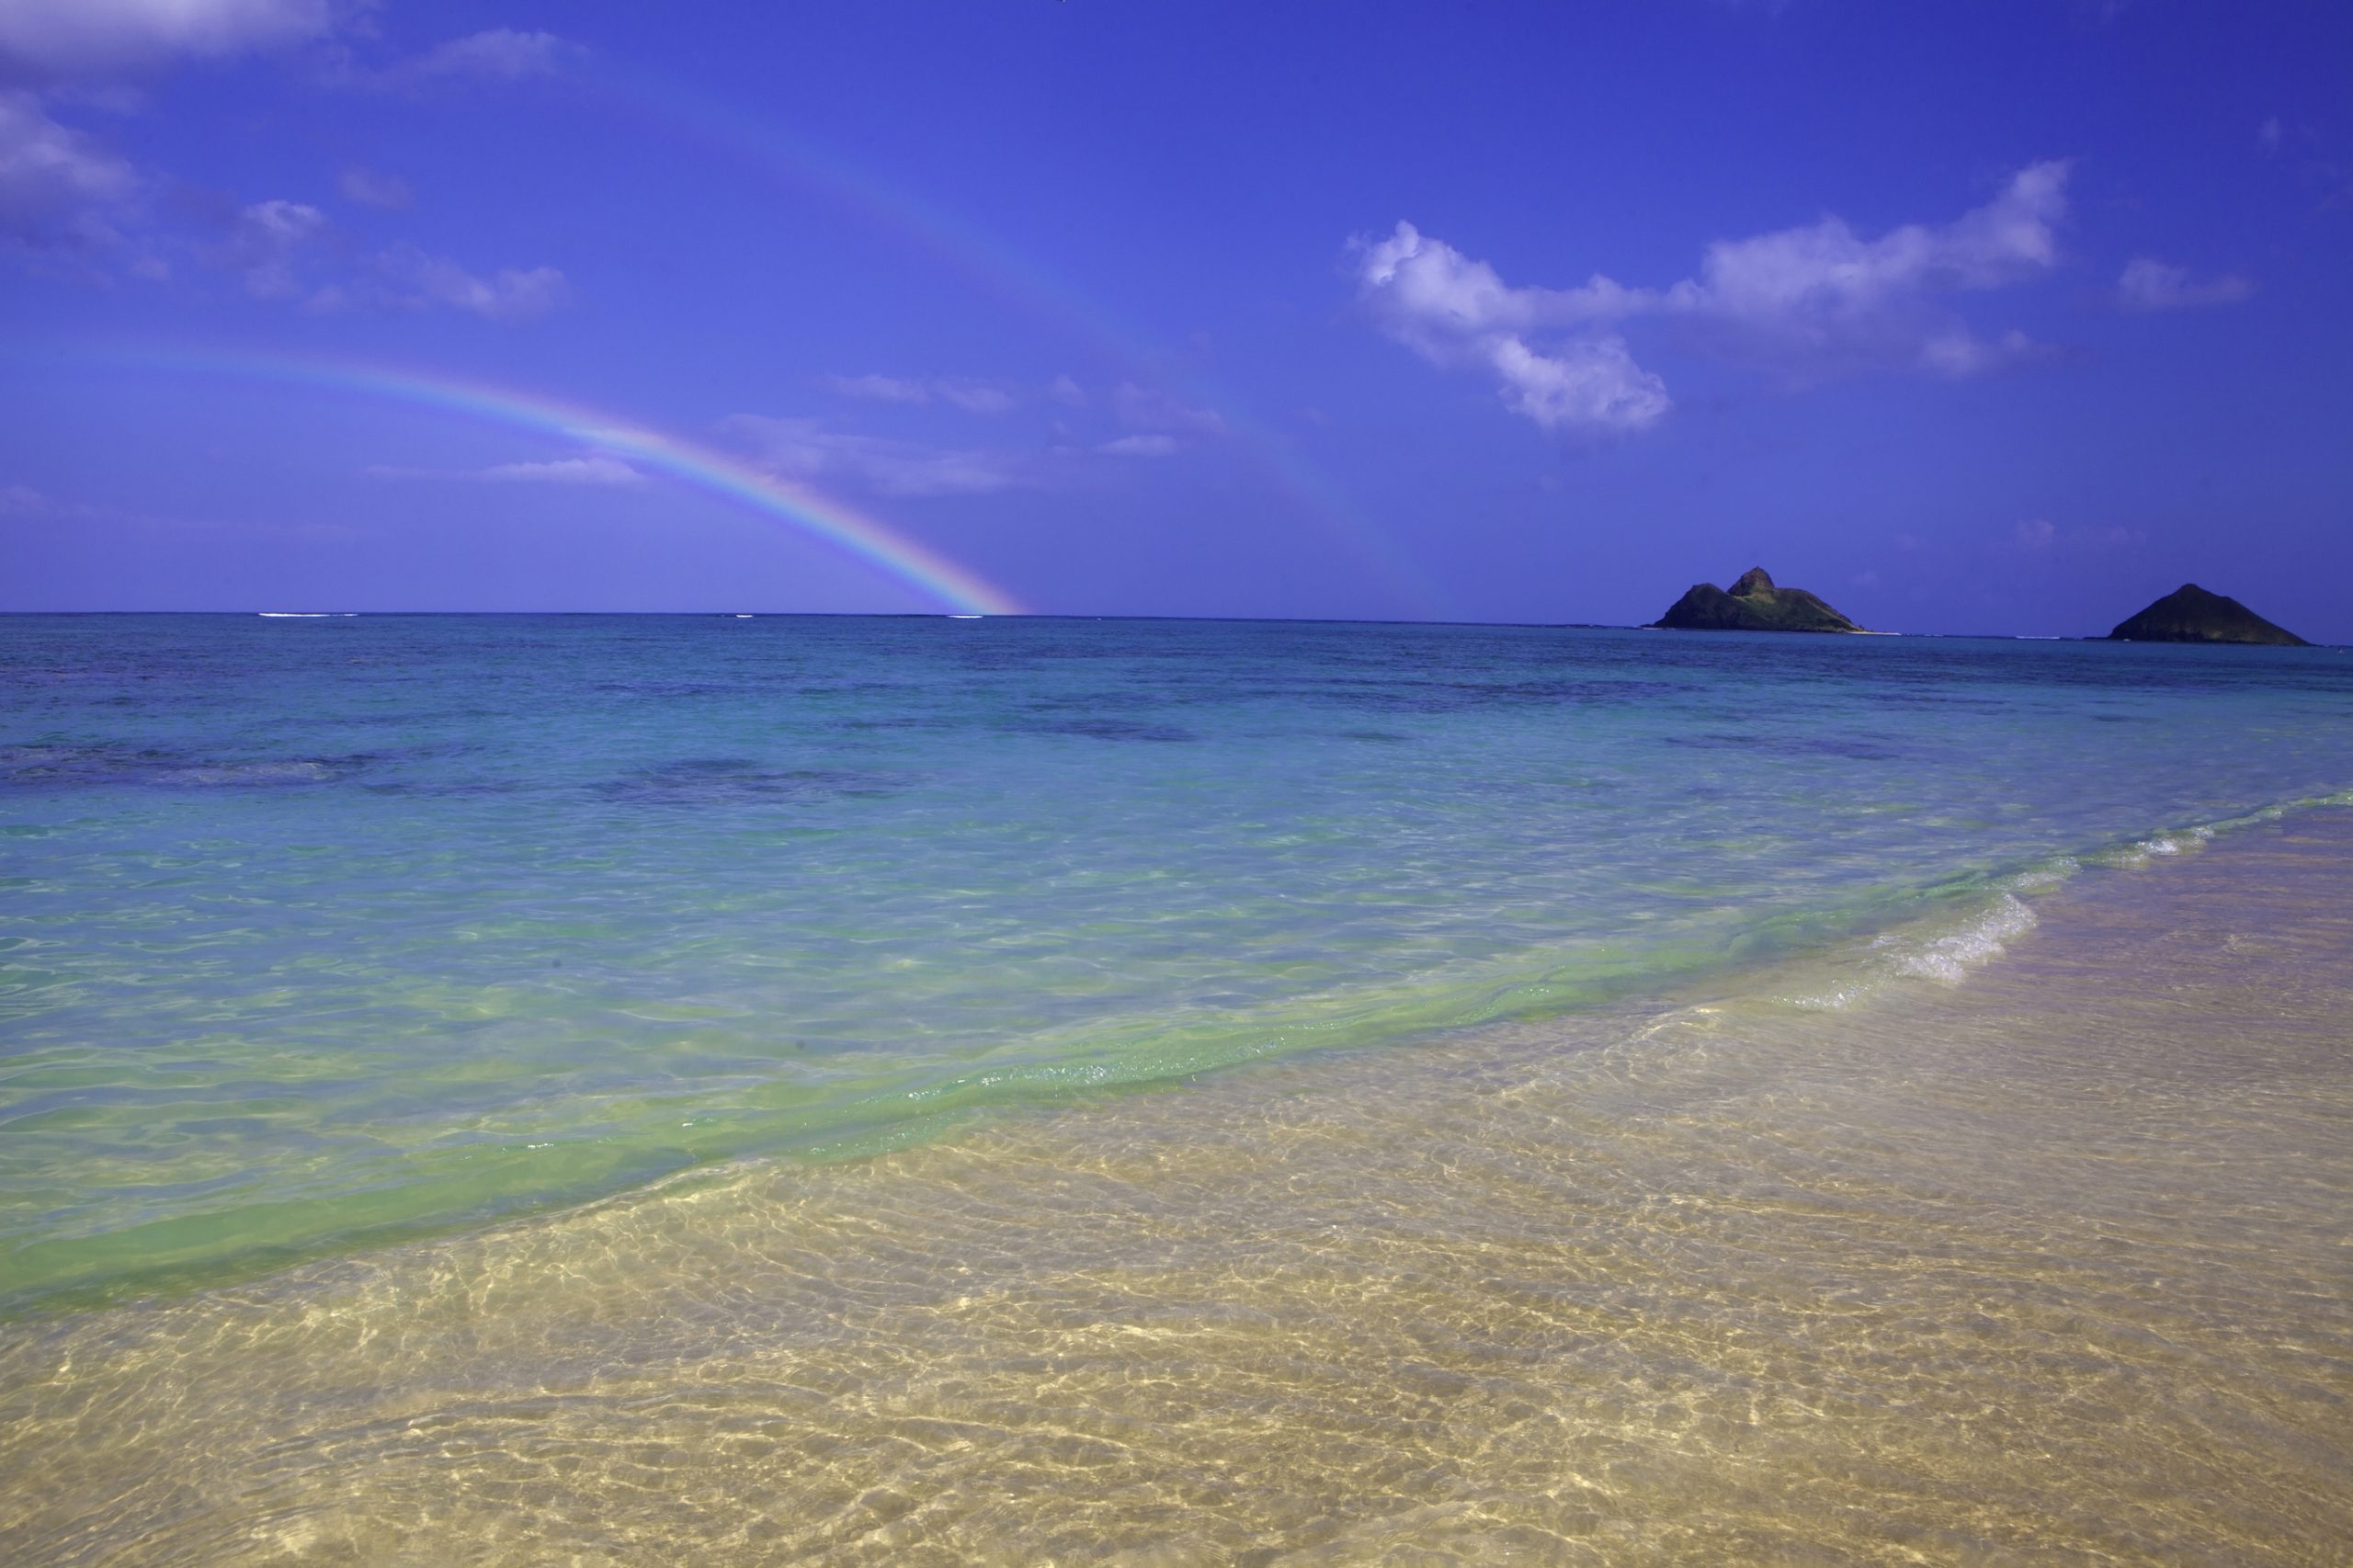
(2047,1266)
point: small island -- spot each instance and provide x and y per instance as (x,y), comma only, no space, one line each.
(2190,614)
(1754,604)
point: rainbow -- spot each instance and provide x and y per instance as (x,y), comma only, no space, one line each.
(971,251)
(864,539)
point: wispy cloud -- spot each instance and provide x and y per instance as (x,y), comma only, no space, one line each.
(269,244)
(809,450)
(971,395)
(2040,537)
(2148,284)
(370,189)
(1139,446)
(59,188)
(1802,302)
(594,469)
(1141,407)
(509,294)
(292,251)
(63,38)
(1128,420)
(496,54)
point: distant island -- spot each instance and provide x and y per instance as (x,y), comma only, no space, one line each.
(1753,605)
(2190,614)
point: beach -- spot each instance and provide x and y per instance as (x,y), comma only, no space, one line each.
(520,1091)
(2049,1262)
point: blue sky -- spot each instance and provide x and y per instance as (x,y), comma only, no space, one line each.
(1986,317)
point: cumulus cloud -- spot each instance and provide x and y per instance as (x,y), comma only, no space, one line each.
(972,396)
(1589,383)
(59,189)
(92,37)
(373,189)
(808,449)
(1457,312)
(2151,285)
(1806,301)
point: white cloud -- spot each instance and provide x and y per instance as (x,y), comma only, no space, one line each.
(1143,446)
(1148,408)
(974,397)
(1591,383)
(1064,390)
(971,396)
(1957,353)
(76,37)
(371,190)
(1805,302)
(509,294)
(881,389)
(268,243)
(2270,133)
(58,188)
(807,449)
(1455,310)
(499,54)
(291,250)
(20,498)
(2038,535)
(594,468)
(2148,284)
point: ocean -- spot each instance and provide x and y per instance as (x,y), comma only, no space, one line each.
(1020,1089)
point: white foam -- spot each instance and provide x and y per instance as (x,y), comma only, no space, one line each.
(2042,879)
(1950,957)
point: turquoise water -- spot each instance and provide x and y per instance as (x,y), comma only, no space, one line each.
(319,932)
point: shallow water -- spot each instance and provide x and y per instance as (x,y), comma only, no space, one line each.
(2050,1263)
(322,934)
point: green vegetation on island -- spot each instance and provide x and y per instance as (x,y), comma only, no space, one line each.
(1754,604)
(2190,614)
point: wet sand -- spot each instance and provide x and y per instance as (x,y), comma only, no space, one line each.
(2049,1265)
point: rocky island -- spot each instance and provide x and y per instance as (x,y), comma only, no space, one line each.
(2190,614)
(1754,604)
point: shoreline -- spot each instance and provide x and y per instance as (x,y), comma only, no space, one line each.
(1941,929)
(2047,1260)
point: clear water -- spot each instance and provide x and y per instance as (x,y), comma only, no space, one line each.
(2046,1267)
(325,932)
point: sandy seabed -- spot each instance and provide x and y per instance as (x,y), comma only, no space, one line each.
(2054,1263)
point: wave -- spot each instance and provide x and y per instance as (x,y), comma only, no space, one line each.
(1979,918)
